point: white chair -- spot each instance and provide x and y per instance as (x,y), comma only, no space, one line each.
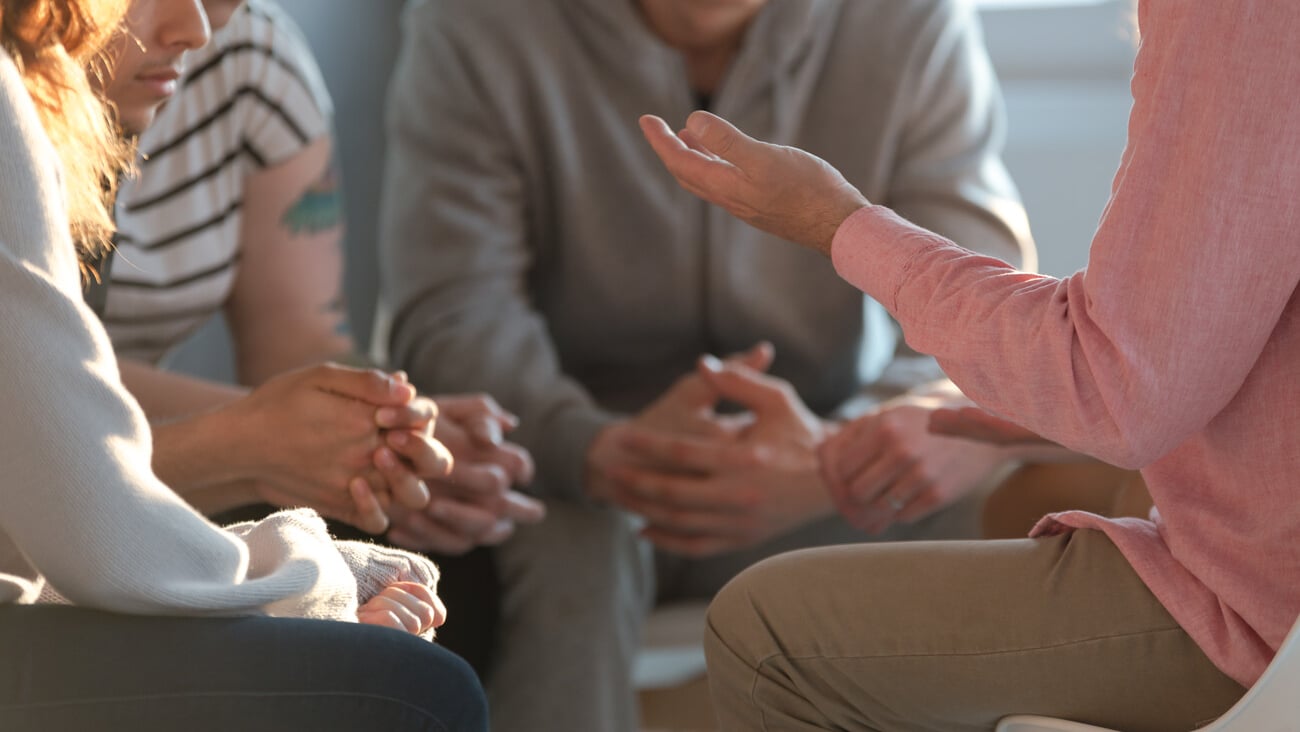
(1271,705)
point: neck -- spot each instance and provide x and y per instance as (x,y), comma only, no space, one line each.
(708,40)
(706,69)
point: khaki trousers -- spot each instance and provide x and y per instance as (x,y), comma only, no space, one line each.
(954,636)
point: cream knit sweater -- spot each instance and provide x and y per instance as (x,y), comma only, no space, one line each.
(80,508)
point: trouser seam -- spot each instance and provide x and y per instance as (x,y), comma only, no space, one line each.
(1009,651)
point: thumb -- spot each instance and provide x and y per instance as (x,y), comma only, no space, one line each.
(367,385)
(710,133)
(756,391)
(759,357)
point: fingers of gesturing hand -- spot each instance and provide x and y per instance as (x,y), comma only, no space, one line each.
(695,168)
(407,606)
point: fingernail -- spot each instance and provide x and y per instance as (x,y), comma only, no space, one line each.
(399,439)
(386,417)
(711,363)
(386,458)
(697,123)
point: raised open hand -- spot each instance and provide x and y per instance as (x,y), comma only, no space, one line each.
(781,190)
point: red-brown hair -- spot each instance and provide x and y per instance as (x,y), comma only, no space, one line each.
(57,44)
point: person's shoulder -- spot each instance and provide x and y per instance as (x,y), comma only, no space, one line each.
(264,26)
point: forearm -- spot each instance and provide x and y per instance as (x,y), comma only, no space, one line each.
(165,395)
(200,458)
(195,451)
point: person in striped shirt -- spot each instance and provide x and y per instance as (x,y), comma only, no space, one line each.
(236,210)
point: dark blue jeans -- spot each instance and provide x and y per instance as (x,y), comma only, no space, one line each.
(65,668)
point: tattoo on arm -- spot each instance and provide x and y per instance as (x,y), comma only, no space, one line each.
(319,209)
(338,308)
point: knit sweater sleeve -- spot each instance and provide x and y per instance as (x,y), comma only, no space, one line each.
(82,508)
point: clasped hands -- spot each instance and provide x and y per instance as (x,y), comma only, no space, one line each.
(363,447)
(706,482)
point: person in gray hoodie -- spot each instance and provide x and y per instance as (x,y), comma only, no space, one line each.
(533,247)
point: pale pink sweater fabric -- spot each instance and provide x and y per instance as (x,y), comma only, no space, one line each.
(1177,350)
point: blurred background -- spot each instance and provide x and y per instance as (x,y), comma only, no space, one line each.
(1064,67)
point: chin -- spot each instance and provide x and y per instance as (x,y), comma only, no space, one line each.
(135,122)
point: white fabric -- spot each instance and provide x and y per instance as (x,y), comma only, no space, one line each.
(79,505)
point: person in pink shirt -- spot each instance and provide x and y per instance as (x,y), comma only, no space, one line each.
(1175,352)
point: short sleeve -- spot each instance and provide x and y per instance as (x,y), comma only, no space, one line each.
(282,99)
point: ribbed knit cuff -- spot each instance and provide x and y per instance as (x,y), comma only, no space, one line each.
(376,567)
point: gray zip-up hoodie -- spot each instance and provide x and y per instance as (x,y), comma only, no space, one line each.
(533,247)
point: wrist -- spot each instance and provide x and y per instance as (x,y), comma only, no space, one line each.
(215,499)
(595,460)
(200,458)
(849,203)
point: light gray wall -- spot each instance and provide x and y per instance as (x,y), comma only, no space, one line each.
(1064,72)
(1065,76)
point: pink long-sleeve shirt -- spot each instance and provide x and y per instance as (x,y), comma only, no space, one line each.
(1177,351)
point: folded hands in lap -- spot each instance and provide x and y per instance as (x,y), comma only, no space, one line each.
(474,504)
(706,482)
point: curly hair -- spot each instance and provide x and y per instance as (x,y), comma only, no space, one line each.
(57,44)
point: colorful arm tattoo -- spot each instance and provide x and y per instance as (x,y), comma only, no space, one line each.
(319,209)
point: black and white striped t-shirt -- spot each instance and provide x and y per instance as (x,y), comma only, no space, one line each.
(251,98)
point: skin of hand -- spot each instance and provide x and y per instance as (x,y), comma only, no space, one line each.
(887,466)
(407,606)
(410,454)
(474,504)
(704,495)
(686,408)
(781,190)
(307,434)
